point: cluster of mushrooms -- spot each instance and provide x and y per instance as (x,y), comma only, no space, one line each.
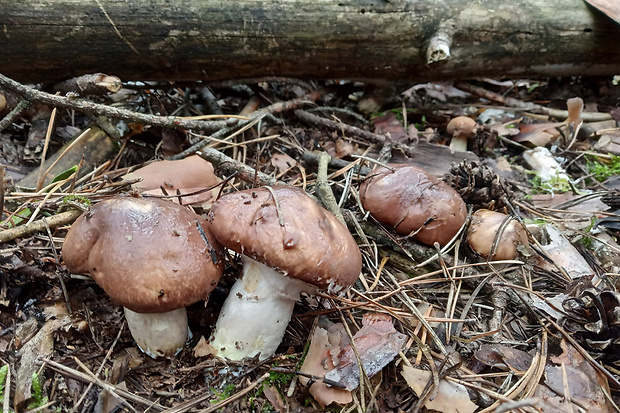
(155,257)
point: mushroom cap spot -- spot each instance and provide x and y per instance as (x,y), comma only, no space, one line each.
(461,126)
(483,228)
(312,246)
(146,253)
(409,200)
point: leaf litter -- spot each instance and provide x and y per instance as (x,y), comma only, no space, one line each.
(434,329)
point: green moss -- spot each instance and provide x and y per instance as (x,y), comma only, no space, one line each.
(603,171)
(223,394)
(555,184)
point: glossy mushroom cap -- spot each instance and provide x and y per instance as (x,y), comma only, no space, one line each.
(146,253)
(482,232)
(413,202)
(311,244)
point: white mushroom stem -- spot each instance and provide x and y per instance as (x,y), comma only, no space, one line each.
(458,143)
(255,315)
(159,334)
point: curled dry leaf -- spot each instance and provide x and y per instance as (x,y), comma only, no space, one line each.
(450,397)
(331,355)
(377,343)
(321,358)
(392,128)
(203,349)
(563,254)
(504,357)
(339,149)
(538,134)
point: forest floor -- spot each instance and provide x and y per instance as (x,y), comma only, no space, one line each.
(532,333)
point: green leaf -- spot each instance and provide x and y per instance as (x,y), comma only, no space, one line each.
(37,392)
(65,174)
(3,372)
(18,218)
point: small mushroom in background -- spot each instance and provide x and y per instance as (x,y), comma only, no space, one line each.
(414,203)
(289,245)
(185,176)
(152,258)
(483,232)
(461,128)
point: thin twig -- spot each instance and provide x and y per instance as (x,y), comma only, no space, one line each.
(278,107)
(12,116)
(48,135)
(7,394)
(324,190)
(105,360)
(234,397)
(54,221)
(90,378)
(96,108)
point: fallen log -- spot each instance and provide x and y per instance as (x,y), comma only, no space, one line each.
(408,40)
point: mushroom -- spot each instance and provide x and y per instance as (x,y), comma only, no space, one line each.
(185,176)
(289,245)
(151,256)
(414,203)
(461,129)
(483,231)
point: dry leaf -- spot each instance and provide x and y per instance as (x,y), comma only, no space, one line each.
(203,349)
(610,7)
(450,398)
(39,346)
(392,128)
(344,148)
(585,384)
(504,357)
(538,134)
(324,346)
(272,394)
(377,343)
(282,162)
(563,254)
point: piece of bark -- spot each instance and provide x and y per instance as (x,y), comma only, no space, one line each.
(95,146)
(358,39)
(95,84)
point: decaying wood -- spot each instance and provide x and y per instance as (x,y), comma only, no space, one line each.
(94,145)
(362,39)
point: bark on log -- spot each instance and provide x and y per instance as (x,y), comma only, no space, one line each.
(51,40)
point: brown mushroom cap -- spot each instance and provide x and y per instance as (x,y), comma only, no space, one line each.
(461,126)
(312,246)
(409,199)
(483,229)
(146,253)
(186,175)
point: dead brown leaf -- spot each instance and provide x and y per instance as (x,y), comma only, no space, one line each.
(377,343)
(282,162)
(324,347)
(587,387)
(450,397)
(610,7)
(39,346)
